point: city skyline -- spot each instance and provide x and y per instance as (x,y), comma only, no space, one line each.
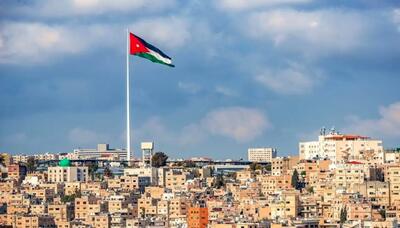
(261,74)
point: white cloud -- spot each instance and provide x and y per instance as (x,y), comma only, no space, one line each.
(71,8)
(238,5)
(296,79)
(309,31)
(25,42)
(239,123)
(170,32)
(396,18)
(388,124)
(85,137)
(153,129)
(226,91)
(191,134)
(189,87)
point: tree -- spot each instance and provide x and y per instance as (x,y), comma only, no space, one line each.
(159,159)
(382,212)
(310,189)
(31,164)
(295,179)
(108,172)
(255,166)
(343,215)
(93,167)
(189,164)
(219,181)
(2,160)
(68,198)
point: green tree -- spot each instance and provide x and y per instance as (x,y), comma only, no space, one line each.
(255,166)
(93,167)
(159,159)
(343,215)
(189,164)
(295,179)
(382,212)
(2,160)
(31,164)
(219,181)
(303,173)
(68,198)
(108,172)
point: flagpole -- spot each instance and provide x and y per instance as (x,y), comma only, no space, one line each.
(128,118)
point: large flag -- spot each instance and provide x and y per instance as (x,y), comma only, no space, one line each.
(143,49)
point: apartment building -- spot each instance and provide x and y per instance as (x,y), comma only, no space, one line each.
(342,148)
(392,175)
(285,205)
(88,205)
(197,217)
(16,172)
(61,174)
(282,165)
(375,191)
(176,180)
(262,154)
(61,212)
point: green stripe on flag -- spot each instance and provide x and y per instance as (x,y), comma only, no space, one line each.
(153,58)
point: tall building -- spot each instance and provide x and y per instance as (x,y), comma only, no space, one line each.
(103,152)
(264,154)
(341,148)
(281,165)
(17,171)
(197,217)
(67,173)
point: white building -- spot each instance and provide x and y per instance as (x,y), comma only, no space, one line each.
(103,152)
(67,174)
(264,154)
(342,148)
(46,156)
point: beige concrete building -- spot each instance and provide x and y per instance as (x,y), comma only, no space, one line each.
(88,205)
(392,175)
(272,184)
(101,220)
(375,191)
(262,154)
(61,212)
(32,221)
(281,165)
(285,205)
(67,174)
(175,180)
(347,175)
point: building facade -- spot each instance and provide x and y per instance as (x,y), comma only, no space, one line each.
(67,174)
(341,148)
(264,154)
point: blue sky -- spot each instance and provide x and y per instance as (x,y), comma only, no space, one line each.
(248,73)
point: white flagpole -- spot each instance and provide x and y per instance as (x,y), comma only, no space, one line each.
(128,118)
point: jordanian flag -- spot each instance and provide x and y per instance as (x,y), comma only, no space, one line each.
(143,49)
